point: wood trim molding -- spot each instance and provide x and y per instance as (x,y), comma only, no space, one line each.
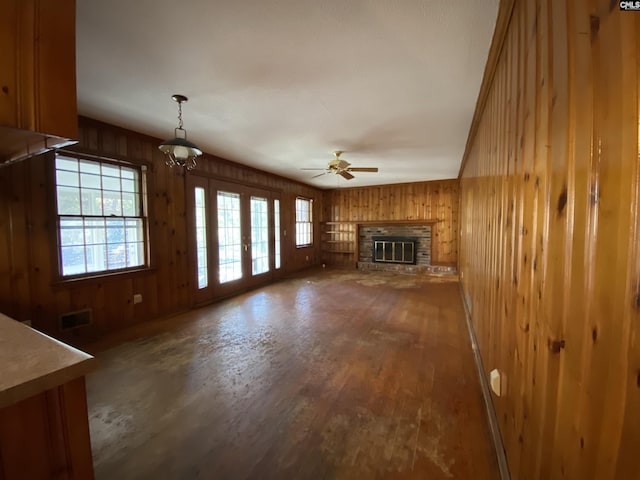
(505,13)
(492,418)
(382,223)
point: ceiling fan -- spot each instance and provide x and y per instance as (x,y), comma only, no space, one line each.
(341,167)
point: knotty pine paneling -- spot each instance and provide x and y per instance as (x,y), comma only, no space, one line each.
(436,200)
(550,236)
(28,265)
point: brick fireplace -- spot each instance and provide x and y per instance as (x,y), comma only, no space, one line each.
(387,249)
(418,235)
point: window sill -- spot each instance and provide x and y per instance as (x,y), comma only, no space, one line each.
(103,276)
(305,246)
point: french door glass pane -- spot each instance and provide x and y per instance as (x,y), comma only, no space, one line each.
(276,228)
(259,235)
(229,237)
(201,238)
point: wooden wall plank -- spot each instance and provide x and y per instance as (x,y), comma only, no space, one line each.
(553,288)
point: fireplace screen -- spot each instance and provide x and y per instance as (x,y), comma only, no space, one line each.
(394,250)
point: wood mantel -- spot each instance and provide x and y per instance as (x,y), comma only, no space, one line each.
(428,221)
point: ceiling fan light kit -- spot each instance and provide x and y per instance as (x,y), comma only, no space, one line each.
(180,151)
(341,167)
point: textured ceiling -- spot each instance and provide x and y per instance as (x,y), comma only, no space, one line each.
(280,84)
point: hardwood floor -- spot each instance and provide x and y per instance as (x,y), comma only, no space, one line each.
(336,374)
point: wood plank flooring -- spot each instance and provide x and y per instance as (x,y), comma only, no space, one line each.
(335,374)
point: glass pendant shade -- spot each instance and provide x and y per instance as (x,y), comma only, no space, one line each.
(180,151)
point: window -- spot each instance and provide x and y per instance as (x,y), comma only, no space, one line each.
(201,238)
(276,228)
(101,225)
(259,235)
(304,222)
(229,237)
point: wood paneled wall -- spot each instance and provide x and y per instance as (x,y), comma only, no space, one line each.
(550,237)
(437,200)
(27,261)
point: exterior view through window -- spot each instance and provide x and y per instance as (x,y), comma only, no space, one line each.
(259,235)
(304,222)
(276,228)
(201,237)
(101,225)
(229,237)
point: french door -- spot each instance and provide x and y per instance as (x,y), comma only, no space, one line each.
(235,237)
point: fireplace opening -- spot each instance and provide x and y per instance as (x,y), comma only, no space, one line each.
(394,250)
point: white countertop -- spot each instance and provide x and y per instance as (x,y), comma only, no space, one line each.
(32,362)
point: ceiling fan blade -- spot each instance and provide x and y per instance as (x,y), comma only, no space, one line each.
(345,174)
(320,174)
(362,169)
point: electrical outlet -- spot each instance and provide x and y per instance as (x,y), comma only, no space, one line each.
(137,298)
(307,258)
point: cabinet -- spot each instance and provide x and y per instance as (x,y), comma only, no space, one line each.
(44,424)
(47,435)
(38,108)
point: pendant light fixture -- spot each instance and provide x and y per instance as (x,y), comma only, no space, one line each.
(179,150)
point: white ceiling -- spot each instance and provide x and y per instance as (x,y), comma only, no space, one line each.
(280,84)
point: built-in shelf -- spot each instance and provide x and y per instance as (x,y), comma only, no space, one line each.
(338,238)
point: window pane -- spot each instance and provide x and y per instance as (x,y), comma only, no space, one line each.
(88,180)
(129,173)
(116,256)
(201,238)
(134,230)
(276,225)
(115,230)
(96,258)
(71,232)
(130,207)
(94,231)
(229,237)
(110,170)
(91,202)
(67,178)
(88,166)
(259,236)
(110,183)
(68,201)
(72,260)
(111,203)
(129,186)
(135,254)
(64,163)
